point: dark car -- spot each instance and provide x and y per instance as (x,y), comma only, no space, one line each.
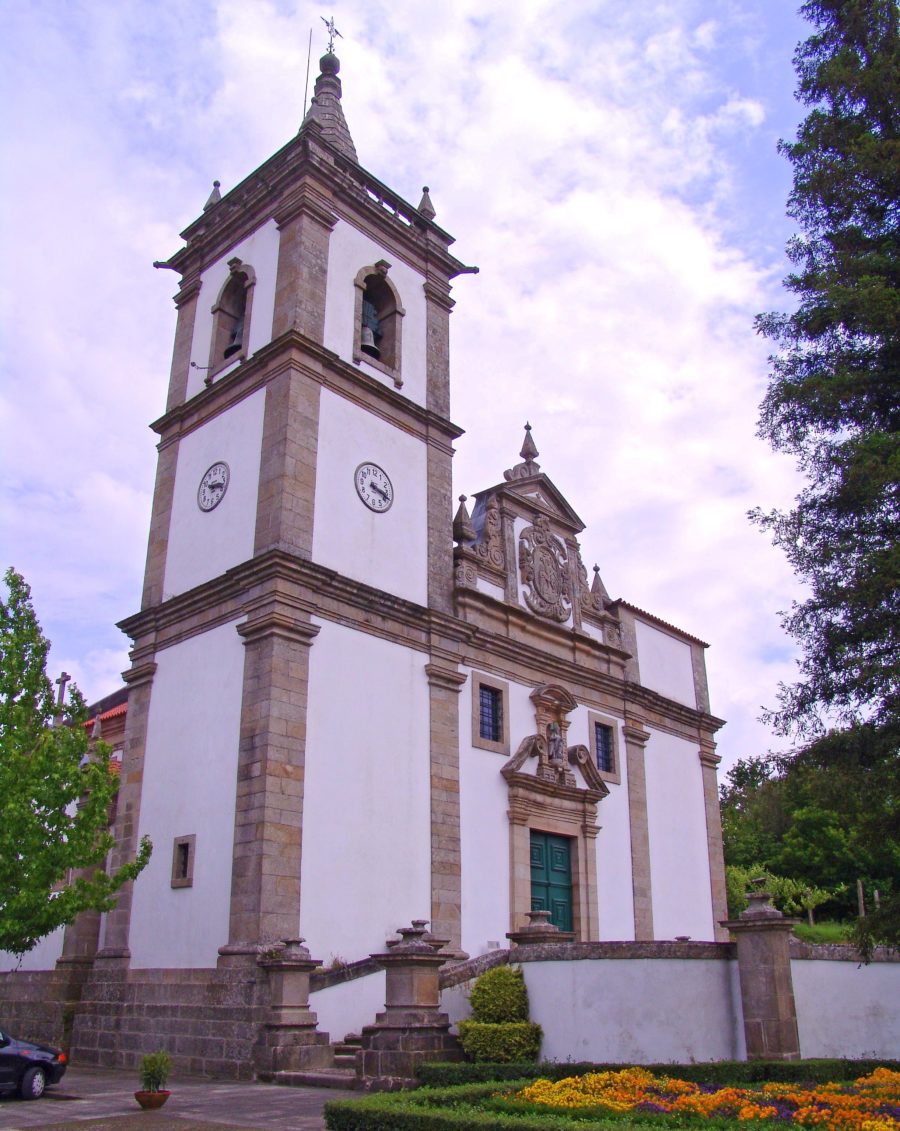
(28,1068)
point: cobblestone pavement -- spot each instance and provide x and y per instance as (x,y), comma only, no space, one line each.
(92,1099)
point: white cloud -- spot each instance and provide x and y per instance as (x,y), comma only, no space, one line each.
(591,161)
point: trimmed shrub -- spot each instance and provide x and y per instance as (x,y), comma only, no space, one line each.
(500,995)
(501,1043)
(717,1072)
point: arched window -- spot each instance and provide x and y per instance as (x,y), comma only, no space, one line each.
(377,335)
(231,317)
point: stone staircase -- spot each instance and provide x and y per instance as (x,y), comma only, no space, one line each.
(341,1073)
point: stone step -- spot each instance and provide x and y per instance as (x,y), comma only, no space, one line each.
(344,1060)
(320,1078)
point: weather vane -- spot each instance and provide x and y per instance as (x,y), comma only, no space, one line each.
(332,32)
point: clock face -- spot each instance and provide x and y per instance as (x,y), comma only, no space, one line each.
(213,486)
(374,487)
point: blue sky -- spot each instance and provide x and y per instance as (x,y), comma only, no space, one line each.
(611,168)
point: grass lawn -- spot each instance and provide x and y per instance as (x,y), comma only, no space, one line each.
(631,1098)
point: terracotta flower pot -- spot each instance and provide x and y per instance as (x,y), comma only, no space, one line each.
(150,1101)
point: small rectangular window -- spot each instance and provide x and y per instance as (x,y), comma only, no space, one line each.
(490,713)
(183,861)
(603,736)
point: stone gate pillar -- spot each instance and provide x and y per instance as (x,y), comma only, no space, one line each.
(767,989)
(411,1030)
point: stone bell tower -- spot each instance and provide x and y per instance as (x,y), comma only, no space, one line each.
(291,726)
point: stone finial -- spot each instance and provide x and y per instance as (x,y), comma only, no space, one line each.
(529,448)
(463,530)
(528,453)
(214,197)
(325,107)
(598,590)
(97,729)
(425,205)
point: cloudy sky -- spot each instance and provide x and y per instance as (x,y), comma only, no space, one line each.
(610,167)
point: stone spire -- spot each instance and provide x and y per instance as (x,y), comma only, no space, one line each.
(325,107)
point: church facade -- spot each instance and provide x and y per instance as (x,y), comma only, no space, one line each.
(347,707)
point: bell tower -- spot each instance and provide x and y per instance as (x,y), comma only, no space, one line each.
(291,746)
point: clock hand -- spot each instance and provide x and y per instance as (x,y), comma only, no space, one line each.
(376,488)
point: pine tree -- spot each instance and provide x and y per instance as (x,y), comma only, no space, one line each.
(834,395)
(55,792)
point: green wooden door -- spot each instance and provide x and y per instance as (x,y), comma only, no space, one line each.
(551,877)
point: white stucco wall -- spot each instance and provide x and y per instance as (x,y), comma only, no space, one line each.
(190,778)
(639,1011)
(259,251)
(203,544)
(366,864)
(847,1010)
(344,1009)
(665,664)
(679,856)
(349,251)
(484,826)
(484,850)
(387,550)
(615,893)
(41,957)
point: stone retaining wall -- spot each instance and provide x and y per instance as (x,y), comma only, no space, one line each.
(209,1020)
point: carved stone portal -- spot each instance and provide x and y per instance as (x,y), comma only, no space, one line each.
(552,800)
(544,566)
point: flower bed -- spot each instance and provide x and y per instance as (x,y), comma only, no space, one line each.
(632,1099)
(870,1103)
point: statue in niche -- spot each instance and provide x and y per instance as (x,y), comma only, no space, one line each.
(556,746)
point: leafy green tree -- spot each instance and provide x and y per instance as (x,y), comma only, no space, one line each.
(55,792)
(834,395)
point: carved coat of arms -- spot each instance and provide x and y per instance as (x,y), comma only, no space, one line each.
(544,566)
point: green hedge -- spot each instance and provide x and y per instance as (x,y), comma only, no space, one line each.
(500,995)
(509,1042)
(453,1109)
(716,1072)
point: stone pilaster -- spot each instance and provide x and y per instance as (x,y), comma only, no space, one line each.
(287,470)
(160,518)
(128,805)
(446,885)
(305,223)
(265,880)
(186,300)
(709,760)
(767,988)
(636,738)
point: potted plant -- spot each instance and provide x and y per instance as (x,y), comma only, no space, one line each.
(155,1068)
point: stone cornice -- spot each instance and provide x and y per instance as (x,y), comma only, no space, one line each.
(296,589)
(293,350)
(341,189)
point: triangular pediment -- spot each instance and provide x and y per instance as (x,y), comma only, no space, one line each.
(531,494)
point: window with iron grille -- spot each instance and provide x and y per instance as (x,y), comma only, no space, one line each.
(603,744)
(490,713)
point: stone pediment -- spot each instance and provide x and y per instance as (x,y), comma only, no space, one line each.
(525,496)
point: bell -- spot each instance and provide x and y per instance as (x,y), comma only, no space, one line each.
(367,342)
(237,338)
